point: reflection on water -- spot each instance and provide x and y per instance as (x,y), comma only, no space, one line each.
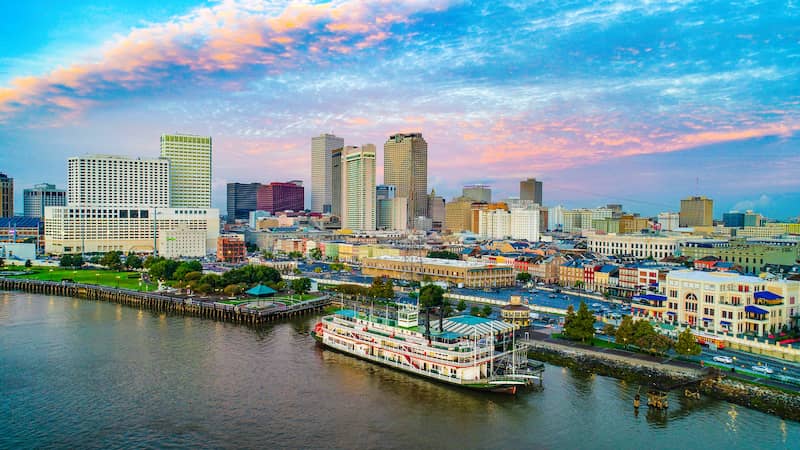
(77,373)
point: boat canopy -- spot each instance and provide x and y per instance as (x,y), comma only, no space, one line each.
(471,325)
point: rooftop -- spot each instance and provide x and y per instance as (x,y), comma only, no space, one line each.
(432,261)
(713,277)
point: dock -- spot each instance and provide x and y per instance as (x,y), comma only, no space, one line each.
(159,302)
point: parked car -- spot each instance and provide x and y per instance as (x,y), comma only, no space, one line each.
(723,359)
(763,369)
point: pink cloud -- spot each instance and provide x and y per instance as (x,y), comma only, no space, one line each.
(229,36)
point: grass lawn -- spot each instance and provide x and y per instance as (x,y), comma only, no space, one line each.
(92,276)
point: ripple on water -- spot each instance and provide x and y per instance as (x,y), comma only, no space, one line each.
(76,373)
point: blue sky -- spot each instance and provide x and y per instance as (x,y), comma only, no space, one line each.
(618,101)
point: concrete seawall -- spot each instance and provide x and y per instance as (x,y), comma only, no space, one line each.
(647,372)
(164,303)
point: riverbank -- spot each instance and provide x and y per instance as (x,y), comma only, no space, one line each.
(651,371)
(159,302)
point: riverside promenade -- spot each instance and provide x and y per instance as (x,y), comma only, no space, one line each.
(160,302)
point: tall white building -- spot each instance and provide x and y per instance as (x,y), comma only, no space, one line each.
(322,147)
(515,223)
(494,224)
(555,217)
(669,221)
(358,187)
(525,224)
(123,204)
(106,180)
(189,170)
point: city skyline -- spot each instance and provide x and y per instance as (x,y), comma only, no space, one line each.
(605,103)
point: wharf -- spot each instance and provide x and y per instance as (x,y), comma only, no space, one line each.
(164,303)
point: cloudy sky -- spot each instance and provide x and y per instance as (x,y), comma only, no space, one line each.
(639,103)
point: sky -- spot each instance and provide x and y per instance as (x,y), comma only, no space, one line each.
(639,103)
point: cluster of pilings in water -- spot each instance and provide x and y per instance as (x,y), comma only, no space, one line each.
(164,303)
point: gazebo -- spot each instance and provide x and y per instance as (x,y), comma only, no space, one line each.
(261,291)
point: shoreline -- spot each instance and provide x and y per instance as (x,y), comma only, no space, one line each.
(164,303)
(762,398)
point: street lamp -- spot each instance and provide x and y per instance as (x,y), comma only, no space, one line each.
(51,275)
(117,281)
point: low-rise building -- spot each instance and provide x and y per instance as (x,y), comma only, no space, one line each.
(470,274)
(722,302)
(231,248)
(639,245)
(751,256)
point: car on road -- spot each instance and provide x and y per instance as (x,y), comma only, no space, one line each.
(723,359)
(763,369)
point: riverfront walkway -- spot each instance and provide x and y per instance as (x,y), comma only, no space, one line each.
(543,340)
(161,302)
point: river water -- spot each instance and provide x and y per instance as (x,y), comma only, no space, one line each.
(83,374)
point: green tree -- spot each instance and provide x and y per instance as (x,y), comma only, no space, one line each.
(268,255)
(624,334)
(643,334)
(301,285)
(687,343)
(568,319)
(315,254)
(193,276)
(295,255)
(524,277)
(486,311)
(609,330)
(133,261)
(443,254)
(474,311)
(112,260)
(580,326)
(431,296)
(233,289)
(388,289)
(462,305)
(2,262)
(579,284)
(27,263)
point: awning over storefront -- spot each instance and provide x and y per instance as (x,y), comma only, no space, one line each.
(755,309)
(725,322)
(706,319)
(670,313)
(766,295)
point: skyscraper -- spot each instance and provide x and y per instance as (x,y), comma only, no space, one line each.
(478,192)
(358,187)
(531,189)
(336,182)
(40,196)
(322,147)
(242,198)
(697,212)
(405,166)
(6,196)
(276,197)
(189,159)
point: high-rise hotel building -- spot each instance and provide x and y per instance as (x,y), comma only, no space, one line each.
(123,204)
(322,147)
(189,157)
(405,166)
(358,187)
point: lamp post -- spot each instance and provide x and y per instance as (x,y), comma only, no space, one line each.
(117,281)
(51,275)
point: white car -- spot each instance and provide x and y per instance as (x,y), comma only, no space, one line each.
(723,359)
(763,369)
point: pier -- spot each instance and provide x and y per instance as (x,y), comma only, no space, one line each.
(160,302)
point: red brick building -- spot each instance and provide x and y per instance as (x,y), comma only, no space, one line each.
(231,248)
(276,197)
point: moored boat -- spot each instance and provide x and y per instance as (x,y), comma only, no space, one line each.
(468,351)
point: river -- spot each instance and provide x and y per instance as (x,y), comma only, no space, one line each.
(83,374)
